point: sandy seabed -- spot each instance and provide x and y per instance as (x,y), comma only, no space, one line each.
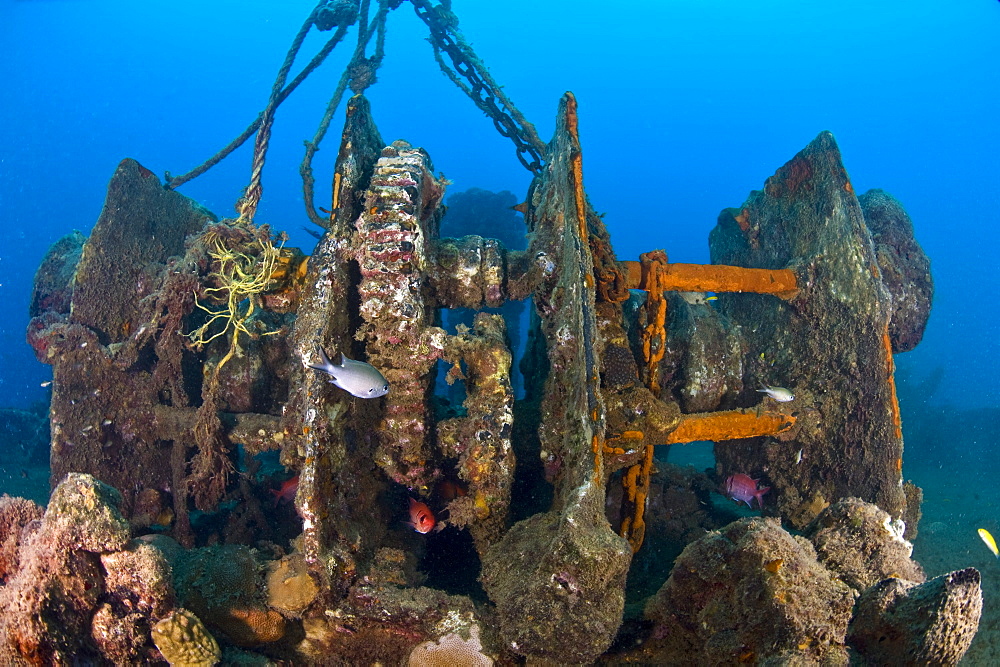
(958,500)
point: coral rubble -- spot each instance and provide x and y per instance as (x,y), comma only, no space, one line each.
(933,623)
(750,593)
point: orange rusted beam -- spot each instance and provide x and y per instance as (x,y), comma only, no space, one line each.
(716,278)
(890,372)
(716,426)
(576,165)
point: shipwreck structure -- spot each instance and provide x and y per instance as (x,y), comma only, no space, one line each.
(181,344)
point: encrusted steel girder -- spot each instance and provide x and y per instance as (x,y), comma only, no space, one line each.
(400,215)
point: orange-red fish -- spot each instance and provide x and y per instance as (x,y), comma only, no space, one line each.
(421,517)
(286,493)
(742,488)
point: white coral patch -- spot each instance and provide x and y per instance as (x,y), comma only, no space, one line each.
(896,529)
(563,335)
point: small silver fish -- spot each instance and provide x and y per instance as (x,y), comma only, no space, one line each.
(798,457)
(779,394)
(355,377)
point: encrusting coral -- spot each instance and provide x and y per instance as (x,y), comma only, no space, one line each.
(902,622)
(49,602)
(15,515)
(749,592)
(84,513)
(862,545)
(290,587)
(141,573)
(138,589)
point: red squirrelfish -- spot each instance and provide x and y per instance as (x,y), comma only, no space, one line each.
(421,517)
(742,488)
(286,493)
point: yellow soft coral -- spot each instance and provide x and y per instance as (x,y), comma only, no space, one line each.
(240,277)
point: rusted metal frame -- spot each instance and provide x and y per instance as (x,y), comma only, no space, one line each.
(715,278)
(728,425)
(595,406)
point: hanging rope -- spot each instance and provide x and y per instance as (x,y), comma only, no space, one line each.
(359,75)
(174,182)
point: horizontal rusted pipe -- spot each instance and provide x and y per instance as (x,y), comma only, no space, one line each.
(717,278)
(731,425)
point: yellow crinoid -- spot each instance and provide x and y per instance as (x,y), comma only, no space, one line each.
(240,278)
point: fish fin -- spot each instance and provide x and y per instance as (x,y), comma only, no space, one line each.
(325,360)
(327,364)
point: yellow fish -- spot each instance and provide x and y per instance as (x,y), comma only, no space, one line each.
(990,542)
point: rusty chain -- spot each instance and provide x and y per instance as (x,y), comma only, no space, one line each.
(482,89)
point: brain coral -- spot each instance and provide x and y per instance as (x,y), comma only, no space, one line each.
(451,650)
(184,641)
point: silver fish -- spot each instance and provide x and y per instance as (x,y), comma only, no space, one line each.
(779,394)
(355,377)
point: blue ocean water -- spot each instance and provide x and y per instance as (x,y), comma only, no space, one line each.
(703,99)
(685,107)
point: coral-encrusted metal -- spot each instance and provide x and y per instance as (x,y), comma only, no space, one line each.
(401,211)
